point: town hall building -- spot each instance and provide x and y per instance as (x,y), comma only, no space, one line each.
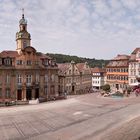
(26,74)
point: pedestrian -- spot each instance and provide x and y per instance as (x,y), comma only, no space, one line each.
(136,92)
(65,94)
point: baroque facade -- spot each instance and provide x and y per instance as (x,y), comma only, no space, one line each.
(74,78)
(26,74)
(117,73)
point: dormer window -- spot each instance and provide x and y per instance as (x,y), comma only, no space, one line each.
(138,55)
(8,62)
(46,62)
(36,62)
(19,62)
(29,62)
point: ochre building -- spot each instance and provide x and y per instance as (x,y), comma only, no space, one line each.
(26,74)
(117,73)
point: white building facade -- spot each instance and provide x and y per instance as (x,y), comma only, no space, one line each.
(134,67)
(98,78)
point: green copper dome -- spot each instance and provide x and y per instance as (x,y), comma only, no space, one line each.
(23,20)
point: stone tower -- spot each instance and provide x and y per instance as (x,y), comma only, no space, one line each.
(23,38)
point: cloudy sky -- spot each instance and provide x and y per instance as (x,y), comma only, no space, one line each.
(88,28)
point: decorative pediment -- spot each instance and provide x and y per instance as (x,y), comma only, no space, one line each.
(29,50)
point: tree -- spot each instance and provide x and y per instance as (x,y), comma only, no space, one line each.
(62,58)
(106,87)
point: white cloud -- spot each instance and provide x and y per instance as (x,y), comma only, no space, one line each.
(89,28)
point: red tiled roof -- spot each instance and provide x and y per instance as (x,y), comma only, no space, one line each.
(9,54)
(97,69)
(80,66)
(118,64)
(119,61)
(135,51)
(43,56)
(132,57)
(121,57)
(63,67)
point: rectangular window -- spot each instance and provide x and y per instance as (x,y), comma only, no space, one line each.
(29,62)
(45,91)
(46,62)
(28,79)
(19,79)
(7,79)
(8,62)
(19,62)
(46,78)
(7,94)
(53,78)
(37,78)
(36,62)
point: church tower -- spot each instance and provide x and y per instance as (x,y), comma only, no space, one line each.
(23,38)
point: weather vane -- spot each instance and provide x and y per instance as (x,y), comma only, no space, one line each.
(22,11)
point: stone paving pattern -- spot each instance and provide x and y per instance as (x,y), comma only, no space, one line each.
(84,117)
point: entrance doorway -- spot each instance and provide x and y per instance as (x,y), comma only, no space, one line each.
(28,94)
(36,93)
(117,86)
(19,94)
(73,88)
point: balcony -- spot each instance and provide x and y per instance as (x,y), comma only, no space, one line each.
(19,85)
(28,84)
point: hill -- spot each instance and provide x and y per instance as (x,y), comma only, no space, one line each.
(61,58)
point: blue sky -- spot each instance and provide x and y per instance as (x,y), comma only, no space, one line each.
(88,28)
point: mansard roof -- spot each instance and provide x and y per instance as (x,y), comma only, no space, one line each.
(63,66)
(43,56)
(11,54)
(122,57)
(97,69)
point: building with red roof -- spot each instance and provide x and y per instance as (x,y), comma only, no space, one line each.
(74,78)
(117,73)
(26,74)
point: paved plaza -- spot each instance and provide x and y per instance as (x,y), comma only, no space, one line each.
(83,117)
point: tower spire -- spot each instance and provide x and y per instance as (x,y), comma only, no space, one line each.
(22,12)
(22,37)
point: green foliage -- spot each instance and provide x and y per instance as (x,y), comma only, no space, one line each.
(106,87)
(129,89)
(61,58)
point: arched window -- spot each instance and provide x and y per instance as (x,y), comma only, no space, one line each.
(24,44)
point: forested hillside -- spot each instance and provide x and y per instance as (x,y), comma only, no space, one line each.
(61,58)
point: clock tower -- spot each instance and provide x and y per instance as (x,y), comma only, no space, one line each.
(23,38)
